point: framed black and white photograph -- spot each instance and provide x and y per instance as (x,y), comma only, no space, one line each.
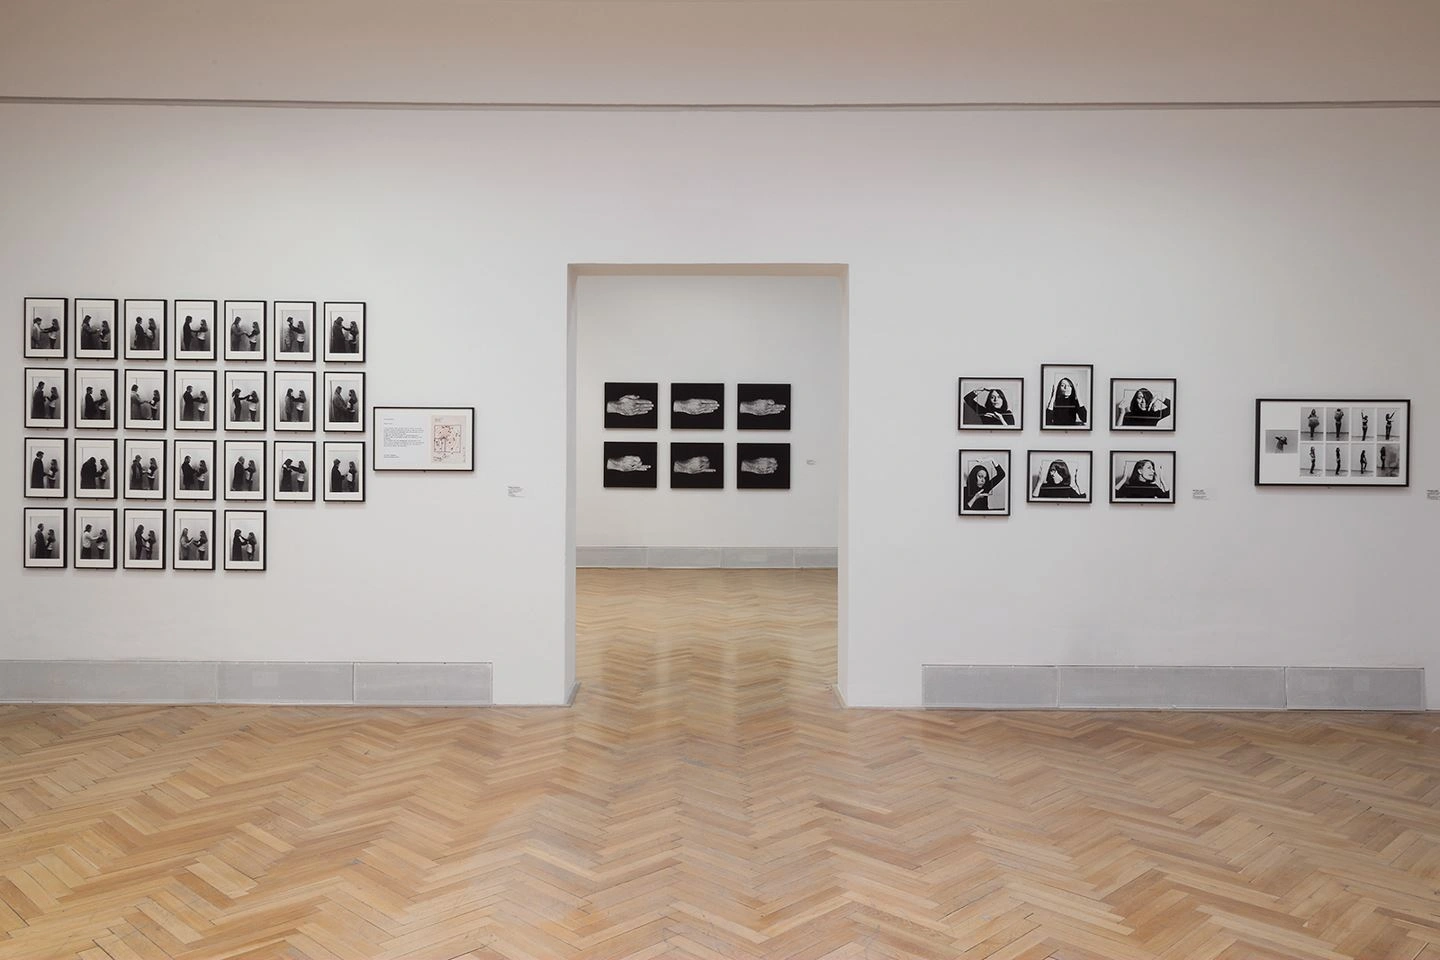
(244,396)
(294,401)
(144,544)
(46,320)
(762,466)
(244,476)
(992,403)
(762,406)
(194,540)
(47,391)
(195,325)
(93,461)
(632,405)
(1067,395)
(47,467)
(146,329)
(425,438)
(294,322)
(345,471)
(294,471)
(1059,476)
(194,470)
(96,329)
(44,531)
(1142,403)
(1142,476)
(244,329)
(195,393)
(697,406)
(144,473)
(1329,442)
(95,393)
(345,332)
(95,538)
(984,483)
(244,539)
(630,464)
(144,399)
(697,466)
(344,401)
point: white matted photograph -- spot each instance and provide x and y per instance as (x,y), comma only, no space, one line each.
(1067,396)
(144,469)
(46,468)
(294,471)
(1059,476)
(145,323)
(194,539)
(345,471)
(96,329)
(245,470)
(1345,443)
(1142,404)
(95,536)
(984,483)
(195,326)
(194,399)
(44,530)
(144,543)
(244,329)
(294,322)
(1142,476)
(46,397)
(992,403)
(194,470)
(144,399)
(344,401)
(345,332)
(94,464)
(244,395)
(245,540)
(45,327)
(294,401)
(95,407)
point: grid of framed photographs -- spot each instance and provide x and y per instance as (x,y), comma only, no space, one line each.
(1308,442)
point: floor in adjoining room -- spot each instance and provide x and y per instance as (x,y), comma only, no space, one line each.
(707,798)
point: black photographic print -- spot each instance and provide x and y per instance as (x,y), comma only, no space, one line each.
(1142,476)
(195,392)
(194,470)
(95,407)
(992,403)
(346,333)
(244,329)
(144,472)
(630,464)
(244,399)
(95,536)
(294,471)
(195,326)
(146,328)
(697,406)
(344,401)
(45,325)
(144,399)
(244,539)
(194,543)
(1059,476)
(1066,396)
(1142,403)
(984,483)
(345,471)
(294,401)
(762,466)
(96,329)
(144,546)
(46,468)
(93,461)
(762,406)
(44,531)
(632,406)
(697,466)
(1346,443)
(244,477)
(294,322)
(46,396)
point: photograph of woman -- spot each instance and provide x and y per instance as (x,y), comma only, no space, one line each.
(1142,404)
(294,319)
(1059,476)
(144,543)
(294,460)
(992,403)
(345,478)
(194,326)
(1142,476)
(145,333)
(144,474)
(95,326)
(45,393)
(346,332)
(94,539)
(244,400)
(46,319)
(984,483)
(1067,393)
(245,329)
(244,474)
(1312,422)
(245,539)
(193,390)
(194,535)
(345,402)
(293,410)
(145,399)
(192,480)
(44,533)
(45,468)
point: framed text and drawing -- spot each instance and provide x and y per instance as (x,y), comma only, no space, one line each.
(425,438)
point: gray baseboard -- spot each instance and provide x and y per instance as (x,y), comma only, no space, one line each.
(247,682)
(957,686)
(708,557)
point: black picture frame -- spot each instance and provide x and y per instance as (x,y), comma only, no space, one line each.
(141,410)
(631,464)
(144,481)
(347,331)
(246,331)
(98,482)
(148,520)
(977,412)
(45,468)
(1143,404)
(1037,465)
(993,488)
(294,330)
(96,328)
(1367,446)
(292,484)
(53,523)
(85,521)
(46,391)
(197,410)
(762,406)
(1130,484)
(197,480)
(154,318)
(253,520)
(243,400)
(345,381)
(288,405)
(188,555)
(196,326)
(351,454)
(697,466)
(95,398)
(252,477)
(697,406)
(46,320)
(632,405)
(1066,417)
(450,433)
(762,466)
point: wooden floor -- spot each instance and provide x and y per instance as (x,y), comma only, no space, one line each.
(705,797)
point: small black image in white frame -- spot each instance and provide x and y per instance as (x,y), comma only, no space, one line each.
(345,331)
(96,474)
(344,401)
(344,471)
(144,544)
(244,400)
(294,323)
(1059,476)
(245,537)
(1067,396)
(96,329)
(195,399)
(697,466)
(145,405)
(294,407)
(195,470)
(95,538)
(1142,404)
(47,397)
(95,403)
(192,540)
(244,470)
(631,464)
(244,329)
(143,469)
(147,328)
(697,406)
(46,325)
(762,466)
(294,480)
(762,406)
(632,405)
(992,403)
(45,530)
(1142,476)
(196,329)
(984,483)
(46,467)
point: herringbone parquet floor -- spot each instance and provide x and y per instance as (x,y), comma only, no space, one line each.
(705,798)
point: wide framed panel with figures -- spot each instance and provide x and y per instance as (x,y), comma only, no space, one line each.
(1314,442)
